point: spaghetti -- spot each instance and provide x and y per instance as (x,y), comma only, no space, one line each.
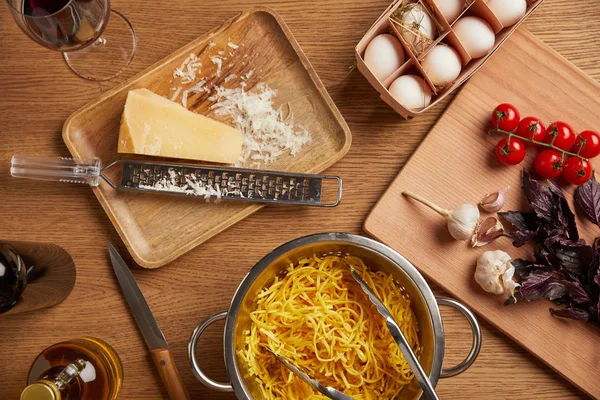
(318,317)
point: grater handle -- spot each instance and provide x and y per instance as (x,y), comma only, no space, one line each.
(57,169)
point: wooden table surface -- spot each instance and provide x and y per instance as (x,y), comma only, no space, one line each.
(38,92)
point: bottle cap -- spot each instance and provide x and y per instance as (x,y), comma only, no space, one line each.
(41,390)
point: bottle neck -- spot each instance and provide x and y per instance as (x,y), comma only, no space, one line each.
(72,371)
(50,389)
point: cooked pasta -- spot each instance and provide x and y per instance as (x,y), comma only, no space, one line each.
(317,316)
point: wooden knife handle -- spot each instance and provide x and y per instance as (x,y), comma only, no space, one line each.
(165,364)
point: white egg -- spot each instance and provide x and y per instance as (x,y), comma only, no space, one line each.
(416,22)
(476,36)
(384,55)
(508,12)
(442,65)
(411,91)
(450,9)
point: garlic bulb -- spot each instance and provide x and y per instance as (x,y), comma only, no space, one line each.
(494,202)
(494,273)
(462,220)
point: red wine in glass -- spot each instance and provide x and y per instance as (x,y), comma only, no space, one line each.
(77,28)
(63,25)
(43,7)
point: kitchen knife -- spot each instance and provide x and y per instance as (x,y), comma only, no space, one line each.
(156,342)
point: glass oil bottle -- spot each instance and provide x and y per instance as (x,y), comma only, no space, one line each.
(79,369)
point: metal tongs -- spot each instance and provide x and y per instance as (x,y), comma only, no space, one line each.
(207,182)
(398,336)
(318,386)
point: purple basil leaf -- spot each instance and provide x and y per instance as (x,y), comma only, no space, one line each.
(571,313)
(521,238)
(564,214)
(557,238)
(587,197)
(524,267)
(541,199)
(542,285)
(571,259)
(577,292)
(523,221)
(596,247)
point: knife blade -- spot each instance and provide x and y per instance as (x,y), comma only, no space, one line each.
(155,340)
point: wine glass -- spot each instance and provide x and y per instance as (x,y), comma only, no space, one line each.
(97,43)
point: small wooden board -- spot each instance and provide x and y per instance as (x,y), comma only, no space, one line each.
(455,164)
(159,228)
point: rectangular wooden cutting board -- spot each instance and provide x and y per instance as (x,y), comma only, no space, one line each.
(255,47)
(455,164)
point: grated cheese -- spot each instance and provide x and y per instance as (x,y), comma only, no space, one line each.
(211,44)
(174,97)
(233,45)
(184,97)
(218,61)
(230,77)
(267,135)
(198,86)
(191,187)
(248,75)
(187,70)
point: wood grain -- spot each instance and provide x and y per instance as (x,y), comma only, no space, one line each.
(38,95)
(436,173)
(169,375)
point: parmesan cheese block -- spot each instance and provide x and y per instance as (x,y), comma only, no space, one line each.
(155,126)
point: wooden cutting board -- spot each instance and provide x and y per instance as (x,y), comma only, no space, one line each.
(255,47)
(455,164)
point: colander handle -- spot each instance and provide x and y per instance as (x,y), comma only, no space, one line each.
(221,387)
(476,347)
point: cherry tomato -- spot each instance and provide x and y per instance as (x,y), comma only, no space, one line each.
(561,135)
(577,171)
(531,128)
(510,153)
(548,164)
(590,141)
(506,117)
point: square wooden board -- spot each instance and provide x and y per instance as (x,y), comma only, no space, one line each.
(455,164)
(158,228)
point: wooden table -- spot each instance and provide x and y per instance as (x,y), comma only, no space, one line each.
(38,92)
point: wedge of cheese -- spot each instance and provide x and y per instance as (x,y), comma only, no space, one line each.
(155,126)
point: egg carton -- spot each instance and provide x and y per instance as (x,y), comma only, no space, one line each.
(446,35)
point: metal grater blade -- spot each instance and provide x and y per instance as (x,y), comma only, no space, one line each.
(226,183)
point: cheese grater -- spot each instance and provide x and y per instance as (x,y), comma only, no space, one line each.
(208,182)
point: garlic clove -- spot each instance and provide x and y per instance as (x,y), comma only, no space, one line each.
(509,285)
(494,202)
(463,221)
(488,231)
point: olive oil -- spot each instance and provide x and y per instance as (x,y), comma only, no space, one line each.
(79,369)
